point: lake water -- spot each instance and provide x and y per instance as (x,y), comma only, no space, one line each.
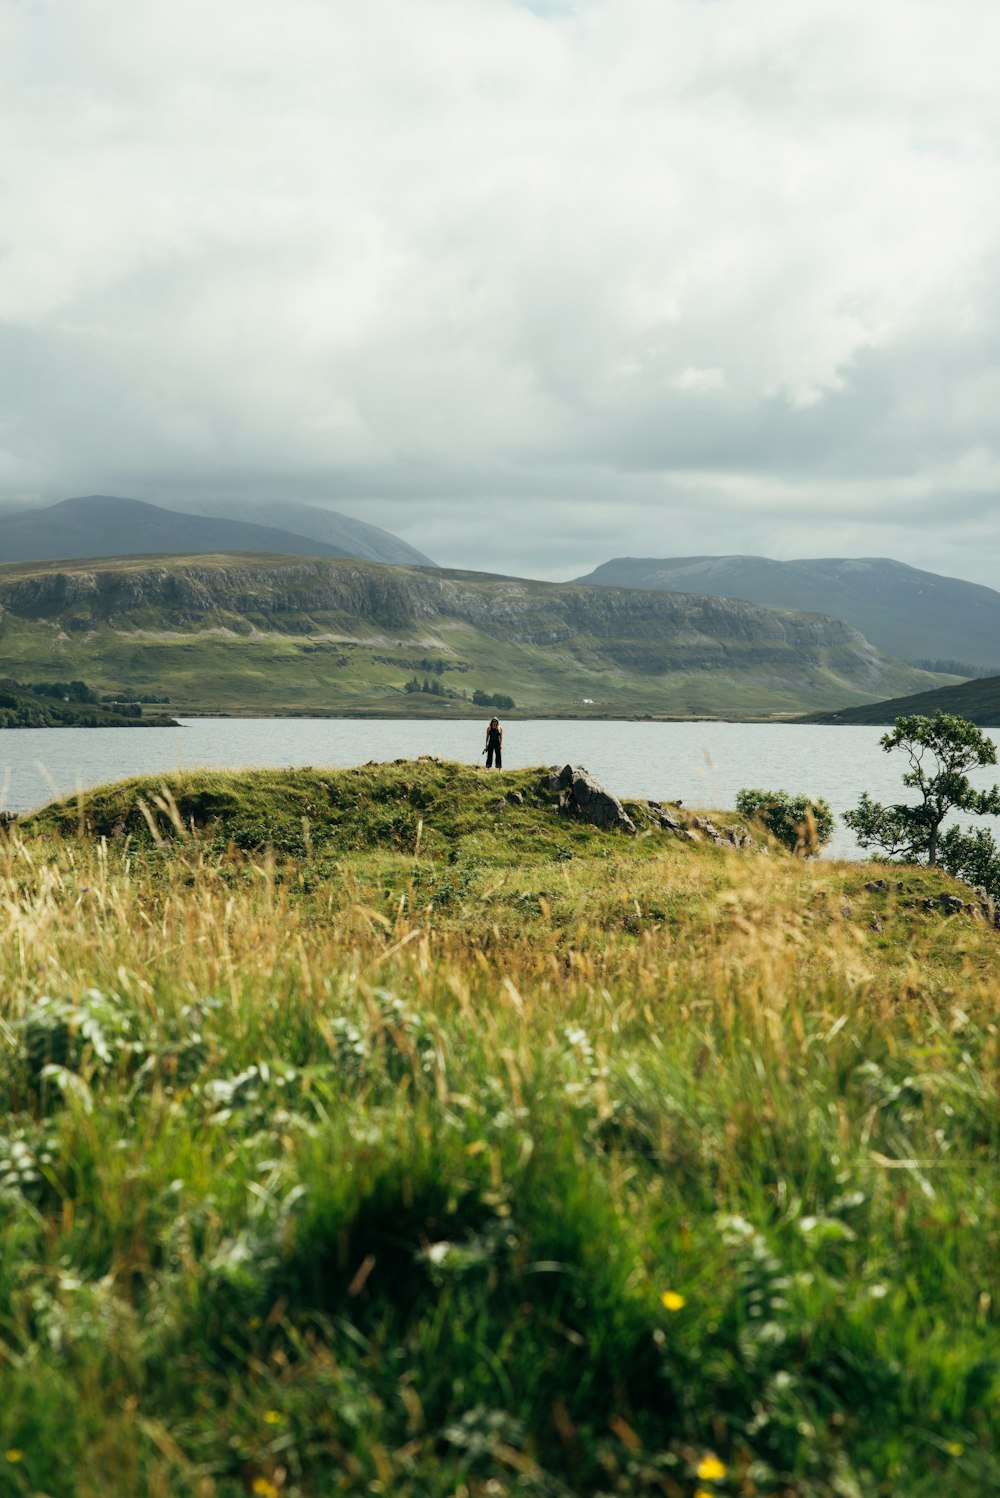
(704,764)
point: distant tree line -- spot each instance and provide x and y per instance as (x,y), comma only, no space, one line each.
(497,699)
(78,691)
(958,668)
(481,699)
(433,688)
(64,691)
(116,697)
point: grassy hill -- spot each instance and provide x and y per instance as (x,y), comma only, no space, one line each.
(285,634)
(451,1146)
(917,616)
(979,701)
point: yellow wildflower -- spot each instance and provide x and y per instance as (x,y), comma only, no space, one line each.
(273,1417)
(703,1493)
(956,1448)
(672,1301)
(14,1455)
(710,1469)
(263,1488)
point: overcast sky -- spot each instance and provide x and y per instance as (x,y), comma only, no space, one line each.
(530,284)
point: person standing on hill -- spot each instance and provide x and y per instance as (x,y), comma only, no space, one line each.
(494,739)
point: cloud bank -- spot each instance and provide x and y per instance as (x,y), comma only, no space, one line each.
(531,285)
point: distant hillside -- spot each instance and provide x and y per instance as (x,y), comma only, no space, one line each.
(351,538)
(103,525)
(284,634)
(979,701)
(917,616)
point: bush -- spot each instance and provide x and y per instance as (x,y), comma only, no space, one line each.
(494,699)
(803,823)
(971,854)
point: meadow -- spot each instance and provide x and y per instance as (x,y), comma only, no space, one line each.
(385,1131)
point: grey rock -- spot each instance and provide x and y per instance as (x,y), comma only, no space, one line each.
(877,886)
(586,798)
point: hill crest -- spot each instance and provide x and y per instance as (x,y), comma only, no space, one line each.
(98,526)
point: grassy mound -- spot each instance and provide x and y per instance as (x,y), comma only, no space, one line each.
(513,1158)
(429,806)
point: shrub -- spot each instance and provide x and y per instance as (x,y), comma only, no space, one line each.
(802,823)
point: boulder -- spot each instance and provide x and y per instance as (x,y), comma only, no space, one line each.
(584,797)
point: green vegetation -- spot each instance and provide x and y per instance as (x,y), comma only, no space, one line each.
(978,701)
(385,1131)
(67,704)
(252,634)
(940,751)
(496,699)
(802,824)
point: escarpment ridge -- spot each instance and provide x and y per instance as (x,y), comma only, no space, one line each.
(357,626)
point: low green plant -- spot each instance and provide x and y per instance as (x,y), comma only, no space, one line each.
(803,824)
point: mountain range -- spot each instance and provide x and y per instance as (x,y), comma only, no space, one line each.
(920,617)
(349,537)
(280,634)
(107,525)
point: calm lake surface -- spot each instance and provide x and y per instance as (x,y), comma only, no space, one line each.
(704,764)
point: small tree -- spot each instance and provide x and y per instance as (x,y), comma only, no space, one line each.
(802,823)
(940,750)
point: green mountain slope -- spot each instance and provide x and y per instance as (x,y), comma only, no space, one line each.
(285,634)
(979,701)
(914,615)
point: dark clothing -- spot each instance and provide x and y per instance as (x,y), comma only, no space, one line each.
(493,748)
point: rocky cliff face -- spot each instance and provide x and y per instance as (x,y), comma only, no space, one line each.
(640,631)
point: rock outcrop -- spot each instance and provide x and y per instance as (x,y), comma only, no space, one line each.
(581,795)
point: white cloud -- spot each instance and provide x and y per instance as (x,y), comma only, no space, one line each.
(389,252)
(702,381)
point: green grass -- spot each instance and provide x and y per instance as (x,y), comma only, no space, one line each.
(356,1154)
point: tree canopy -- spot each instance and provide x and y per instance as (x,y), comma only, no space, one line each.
(941,750)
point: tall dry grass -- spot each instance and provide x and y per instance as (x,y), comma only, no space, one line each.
(584,1175)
